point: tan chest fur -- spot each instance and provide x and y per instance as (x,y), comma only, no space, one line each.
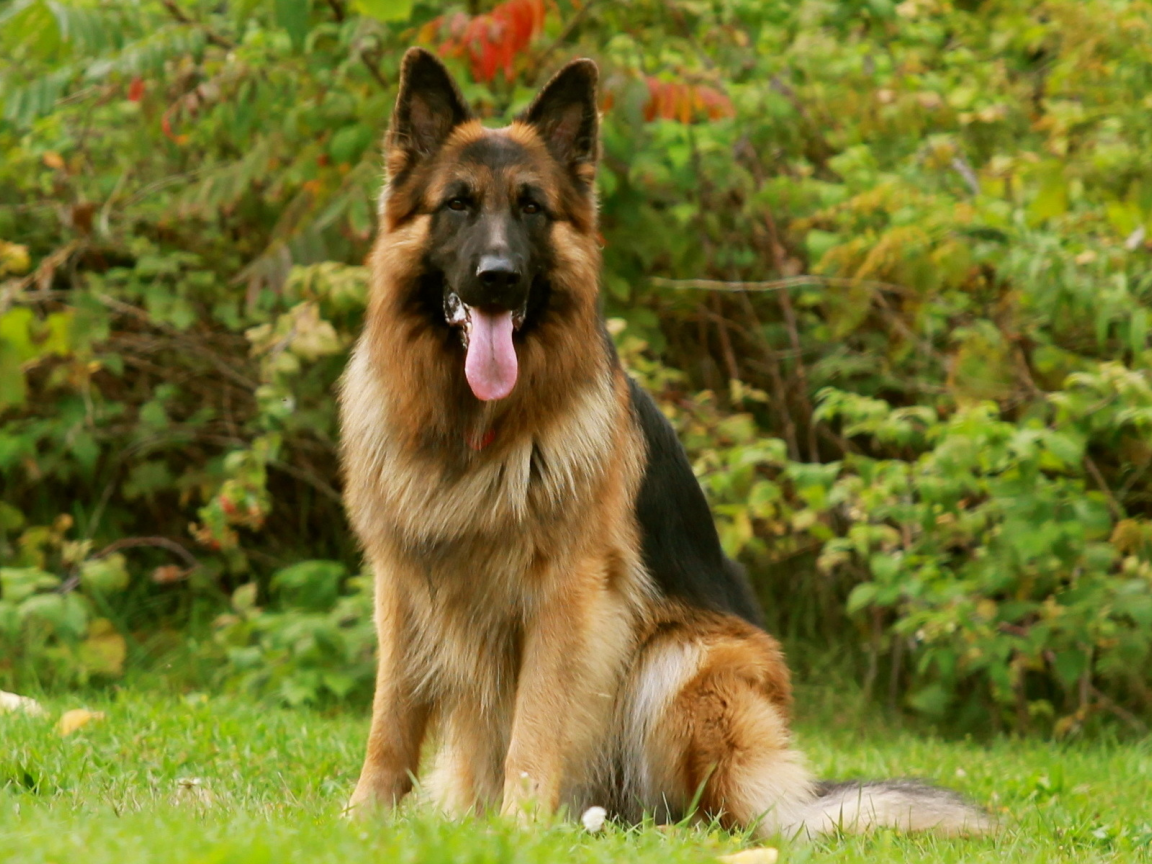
(522,485)
(474,546)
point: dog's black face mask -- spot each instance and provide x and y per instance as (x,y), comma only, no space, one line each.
(492,195)
(491,241)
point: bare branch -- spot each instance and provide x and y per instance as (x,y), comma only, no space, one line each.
(211,35)
(776,284)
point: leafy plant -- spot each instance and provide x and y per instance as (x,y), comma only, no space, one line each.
(883,264)
(317,647)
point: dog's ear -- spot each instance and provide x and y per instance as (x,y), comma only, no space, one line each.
(564,115)
(428,107)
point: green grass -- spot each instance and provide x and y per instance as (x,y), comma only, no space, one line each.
(272,782)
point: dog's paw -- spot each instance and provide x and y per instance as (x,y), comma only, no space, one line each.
(524,802)
(374,797)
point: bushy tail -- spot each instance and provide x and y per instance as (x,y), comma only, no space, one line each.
(907,805)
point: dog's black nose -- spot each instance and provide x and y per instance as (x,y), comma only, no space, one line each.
(497,272)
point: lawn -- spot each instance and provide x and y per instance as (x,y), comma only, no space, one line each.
(212,779)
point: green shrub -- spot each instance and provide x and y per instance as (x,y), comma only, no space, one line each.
(885,266)
(317,647)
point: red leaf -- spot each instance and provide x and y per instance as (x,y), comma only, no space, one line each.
(489,60)
(685,103)
(522,23)
(136,89)
(492,41)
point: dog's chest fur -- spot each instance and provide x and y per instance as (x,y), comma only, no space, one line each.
(531,487)
(476,546)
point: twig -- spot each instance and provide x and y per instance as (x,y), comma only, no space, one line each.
(779,392)
(1123,713)
(308,478)
(960,166)
(1110,499)
(689,36)
(725,342)
(775,284)
(211,35)
(373,68)
(845,446)
(779,261)
(873,653)
(161,184)
(561,37)
(73,581)
(1089,463)
(897,668)
(823,149)
(898,324)
(218,362)
(160,542)
(14,290)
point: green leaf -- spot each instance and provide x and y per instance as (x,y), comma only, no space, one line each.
(10,517)
(932,700)
(106,575)
(244,597)
(66,613)
(104,651)
(19,583)
(861,597)
(1069,665)
(885,566)
(1138,330)
(385,10)
(1052,199)
(293,16)
(349,143)
(32,27)
(339,684)
(310,585)
(819,243)
(13,387)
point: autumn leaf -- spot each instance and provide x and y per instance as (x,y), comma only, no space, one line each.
(761,855)
(76,719)
(494,40)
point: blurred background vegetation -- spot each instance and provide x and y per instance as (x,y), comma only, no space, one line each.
(885,265)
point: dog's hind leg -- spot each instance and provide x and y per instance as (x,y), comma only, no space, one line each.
(709,711)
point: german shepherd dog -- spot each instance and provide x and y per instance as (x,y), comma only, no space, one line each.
(551,598)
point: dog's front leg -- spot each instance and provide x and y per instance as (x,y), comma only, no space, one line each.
(399,716)
(574,649)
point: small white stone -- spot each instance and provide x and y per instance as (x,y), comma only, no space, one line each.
(12,702)
(191,790)
(593,819)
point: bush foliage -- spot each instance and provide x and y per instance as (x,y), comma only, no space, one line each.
(885,265)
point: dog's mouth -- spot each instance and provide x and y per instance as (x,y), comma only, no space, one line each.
(490,363)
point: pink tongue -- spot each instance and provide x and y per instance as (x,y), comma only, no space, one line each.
(491,362)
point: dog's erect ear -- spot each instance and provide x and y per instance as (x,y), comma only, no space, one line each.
(428,107)
(564,115)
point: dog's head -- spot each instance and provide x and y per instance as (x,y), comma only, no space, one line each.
(488,203)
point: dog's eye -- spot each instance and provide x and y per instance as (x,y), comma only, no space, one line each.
(530,207)
(457,204)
